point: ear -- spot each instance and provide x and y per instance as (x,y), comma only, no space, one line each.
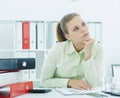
(67,36)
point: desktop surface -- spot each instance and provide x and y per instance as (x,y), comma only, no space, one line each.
(56,94)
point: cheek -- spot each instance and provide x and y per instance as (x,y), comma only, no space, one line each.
(77,37)
(87,30)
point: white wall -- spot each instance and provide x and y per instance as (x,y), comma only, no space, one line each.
(103,10)
(111,36)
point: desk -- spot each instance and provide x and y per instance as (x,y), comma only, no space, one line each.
(55,94)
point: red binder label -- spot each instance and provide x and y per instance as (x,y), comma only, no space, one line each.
(26,35)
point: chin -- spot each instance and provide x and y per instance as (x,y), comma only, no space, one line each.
(87,38)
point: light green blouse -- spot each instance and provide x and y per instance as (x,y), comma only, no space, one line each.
(63,62)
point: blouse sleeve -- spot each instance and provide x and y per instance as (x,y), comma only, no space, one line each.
(93,68)
(48,72)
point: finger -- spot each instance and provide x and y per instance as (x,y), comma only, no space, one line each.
(85,85)
(79,88)
(83,45)
(88,85)
(92,40)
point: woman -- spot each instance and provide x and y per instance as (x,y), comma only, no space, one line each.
(76,60)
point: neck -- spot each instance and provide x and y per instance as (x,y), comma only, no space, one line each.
(78,46)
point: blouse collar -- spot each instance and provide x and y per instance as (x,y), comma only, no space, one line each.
(71,48)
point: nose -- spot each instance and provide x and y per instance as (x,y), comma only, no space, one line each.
(82,29)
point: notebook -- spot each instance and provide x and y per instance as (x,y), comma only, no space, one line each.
(115,92)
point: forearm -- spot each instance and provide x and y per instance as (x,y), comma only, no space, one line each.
(91,72)
(54,82)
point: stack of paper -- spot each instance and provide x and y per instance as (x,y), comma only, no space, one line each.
(71,91)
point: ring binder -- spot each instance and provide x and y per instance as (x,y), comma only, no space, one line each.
(26,35)
(12,64)
(17,89)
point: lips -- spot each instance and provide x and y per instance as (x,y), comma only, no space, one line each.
(85,34)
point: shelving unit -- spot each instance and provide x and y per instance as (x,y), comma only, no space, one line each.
(42,38)
(6,39)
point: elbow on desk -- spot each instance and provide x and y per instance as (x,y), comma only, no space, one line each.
(43,83)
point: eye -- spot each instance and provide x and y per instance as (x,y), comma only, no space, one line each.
(76,29)
(83,24)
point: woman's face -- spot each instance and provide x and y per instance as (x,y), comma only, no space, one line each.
(77,30)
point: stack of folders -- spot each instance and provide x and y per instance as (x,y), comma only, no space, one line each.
(11,83)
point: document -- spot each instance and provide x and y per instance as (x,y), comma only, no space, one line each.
(72,91)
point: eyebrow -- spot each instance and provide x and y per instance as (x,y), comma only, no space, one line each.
(74,26)
(82,21)
(77,25)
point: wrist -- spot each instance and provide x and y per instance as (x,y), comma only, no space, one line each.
(87,56)
(69,83)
